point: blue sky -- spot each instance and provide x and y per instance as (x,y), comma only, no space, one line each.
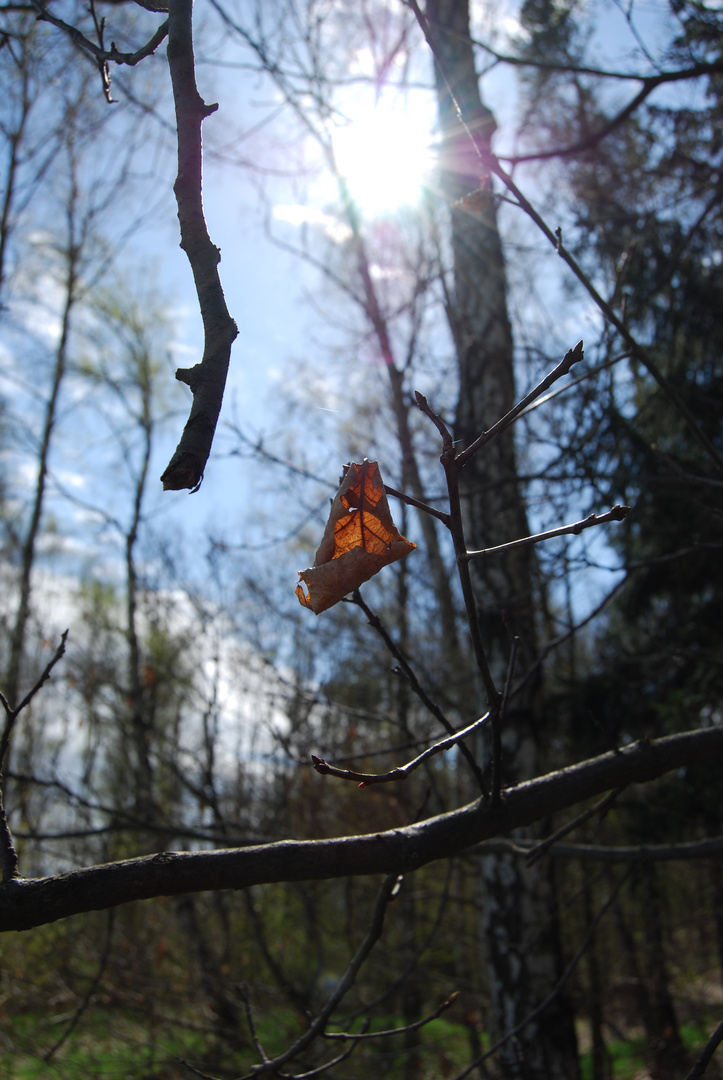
(271,294)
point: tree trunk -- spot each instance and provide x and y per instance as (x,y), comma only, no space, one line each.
(716,880)
(601,1067)
(520,923)
(666,1053)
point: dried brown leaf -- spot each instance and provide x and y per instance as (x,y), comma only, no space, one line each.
(360,538)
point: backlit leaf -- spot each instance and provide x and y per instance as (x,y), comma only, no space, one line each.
(360,538)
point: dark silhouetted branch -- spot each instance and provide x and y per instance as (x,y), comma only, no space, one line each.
(206,380)
(705,1058)
(34,902)
(395,1031)
(402,771)
(617,513)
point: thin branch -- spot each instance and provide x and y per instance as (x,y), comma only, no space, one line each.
(650,83)
(600,808)
(195,1071)
(391,987)
(258,448)
(497,726)
(575,382)
(131,59)
(424,406)
(82,1007)
(328,1064)
(711,848)
(418,504)
(616,513)
(555,643)
(97,52)
(637,350)
(705,1058)
(11,714)
(694,72)
(558,987)
(572,356)
(406,670)
(396,1031)
(402,771)
(251,1023)
(452,467)
(8,854)
(345,984)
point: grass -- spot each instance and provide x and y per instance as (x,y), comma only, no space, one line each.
(116,1044)
(107,1044)
(628,1058)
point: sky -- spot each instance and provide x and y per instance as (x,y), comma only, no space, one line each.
(383,145)
(286,352)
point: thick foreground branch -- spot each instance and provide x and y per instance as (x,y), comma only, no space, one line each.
(34,902)
(206,380)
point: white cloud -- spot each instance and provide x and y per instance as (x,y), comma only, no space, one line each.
(71,479)
(296,214)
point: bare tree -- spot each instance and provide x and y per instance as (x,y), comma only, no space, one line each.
(475,514)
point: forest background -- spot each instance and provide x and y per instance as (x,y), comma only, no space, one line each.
(420,213)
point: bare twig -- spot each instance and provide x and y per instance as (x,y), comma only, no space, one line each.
(497,726)
(424,406)
(396,1031)
(96,52)
(102,963)
(402,771)
(257,447)
(650,83)
(452,468)
(8,854)
(616,513)
(590,374)
(599,808)
(572,356)
(327,1064)
(637,350)
(391,987)
(558,987)
(407,671)
(11,714)
(252,1024)
(693,72)
(345,983)
(705,1058)
(555,643)
(418,504)
(711,848)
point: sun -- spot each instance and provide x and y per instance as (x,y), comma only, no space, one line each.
(383,152)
